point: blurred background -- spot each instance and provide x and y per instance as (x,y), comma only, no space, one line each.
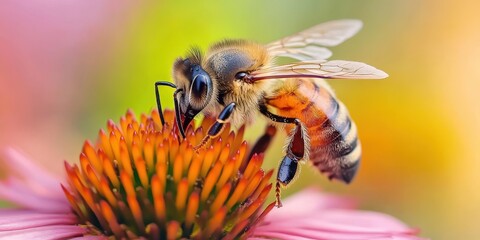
(66,67)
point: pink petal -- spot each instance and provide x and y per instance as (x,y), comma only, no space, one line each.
(306,202)
(90,238)
(31,171)
(365,220)
(309,234)
(32,187)
(314,234)
(22,219)
(53,232)
(311,215)
(12,191)
(344,221)
(277,235)
(21,186)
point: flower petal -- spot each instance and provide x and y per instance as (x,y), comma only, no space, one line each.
(317,217)
(13,190)
(364,221)
(32,172)
(308,201)
(53,232)
(31,186)
(90,238)
(24,219)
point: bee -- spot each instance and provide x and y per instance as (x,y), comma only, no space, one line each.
(237,80)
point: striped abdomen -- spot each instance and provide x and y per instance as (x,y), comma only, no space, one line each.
(334,145)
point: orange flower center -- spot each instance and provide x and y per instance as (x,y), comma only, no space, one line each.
(142,180)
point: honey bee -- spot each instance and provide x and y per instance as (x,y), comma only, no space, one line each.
(237,80)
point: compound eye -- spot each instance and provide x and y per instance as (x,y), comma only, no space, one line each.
(241,75)
(200,86)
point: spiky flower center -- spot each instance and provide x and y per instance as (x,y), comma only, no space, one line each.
(141,180)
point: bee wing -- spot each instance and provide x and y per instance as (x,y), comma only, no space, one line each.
(337,69)
(305,45)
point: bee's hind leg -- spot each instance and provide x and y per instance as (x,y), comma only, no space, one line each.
(216,128)
(297,148)
(296,151)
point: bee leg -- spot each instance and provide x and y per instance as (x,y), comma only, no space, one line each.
(217,127)
(295,153)
(296,149)
(157,95)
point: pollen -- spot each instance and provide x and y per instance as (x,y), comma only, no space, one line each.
(142,180)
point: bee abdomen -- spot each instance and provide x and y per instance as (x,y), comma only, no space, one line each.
(335,147)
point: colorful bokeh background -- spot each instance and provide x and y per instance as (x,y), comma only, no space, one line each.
(66,67)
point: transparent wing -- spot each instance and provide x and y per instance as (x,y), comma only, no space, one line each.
(306,45)
(338,69)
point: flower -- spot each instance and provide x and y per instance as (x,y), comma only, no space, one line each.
(140,180)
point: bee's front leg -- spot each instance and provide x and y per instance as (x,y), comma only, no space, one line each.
(216,129)
(297,149)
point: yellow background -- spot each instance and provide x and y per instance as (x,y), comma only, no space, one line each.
(419,128)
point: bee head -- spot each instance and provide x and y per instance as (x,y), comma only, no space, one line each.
(196,88)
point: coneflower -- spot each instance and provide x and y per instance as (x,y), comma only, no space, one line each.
(140,180)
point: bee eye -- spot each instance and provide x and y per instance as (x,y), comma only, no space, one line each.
(199,86)
(241,75)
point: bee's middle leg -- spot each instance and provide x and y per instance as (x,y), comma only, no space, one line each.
(297,148)
(216,128)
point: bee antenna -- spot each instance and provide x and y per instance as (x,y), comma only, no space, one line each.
(157,95)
